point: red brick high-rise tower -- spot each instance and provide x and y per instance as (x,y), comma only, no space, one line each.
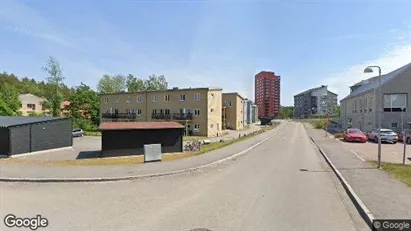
(267,94)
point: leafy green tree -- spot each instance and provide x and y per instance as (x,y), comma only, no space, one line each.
(9,100)
(55,80)
(84,103)
(134,84)
(110,84)
(337,110)
(154,83)
(35,114)
(286,112)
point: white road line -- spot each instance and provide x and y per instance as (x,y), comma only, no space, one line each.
(395,153)
(359,157)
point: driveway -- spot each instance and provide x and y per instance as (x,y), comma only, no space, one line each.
(83,147)
(392,153)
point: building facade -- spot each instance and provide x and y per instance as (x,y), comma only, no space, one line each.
(249,112)
(198,109)
(360,109)
(233,111)
(254,113)
(31,104)
(267,94)
(315,101)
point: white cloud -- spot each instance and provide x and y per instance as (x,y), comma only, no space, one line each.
(394,58)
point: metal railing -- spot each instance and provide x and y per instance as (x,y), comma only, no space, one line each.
(160,116)
(182,116)
(119,115)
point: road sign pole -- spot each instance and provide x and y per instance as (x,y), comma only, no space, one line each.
(404,139)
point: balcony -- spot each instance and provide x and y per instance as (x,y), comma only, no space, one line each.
(182,116)
(129,116)
(160,116)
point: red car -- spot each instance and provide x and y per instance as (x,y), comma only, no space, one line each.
(355,135)
(405,136)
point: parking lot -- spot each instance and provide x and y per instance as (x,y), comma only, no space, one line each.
(83,147)
(392,153)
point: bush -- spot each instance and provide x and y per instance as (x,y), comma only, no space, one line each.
(84,124)
(318,124)
(339,135)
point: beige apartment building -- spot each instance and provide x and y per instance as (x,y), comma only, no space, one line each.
(233,111)
(199,109)
(31,103)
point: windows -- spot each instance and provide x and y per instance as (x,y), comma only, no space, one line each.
(196,128)
(138,112)
(394,125)
(154,98)
(128,99)
(105,99)
(154,111)
(31,106)
(167,111)
(166,98)
(211,125)
(182,97)
(229,103)
(106,110)
(211,96)
(395,102)
(116,99)
(139,99)
(196,96)
(196,112)
(212,110)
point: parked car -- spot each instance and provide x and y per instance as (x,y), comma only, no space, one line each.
(77,133)
(387,135)
(405,136)
(355,135)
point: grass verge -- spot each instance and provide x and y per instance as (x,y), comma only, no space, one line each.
(399,171)
(92,133)
(126,160)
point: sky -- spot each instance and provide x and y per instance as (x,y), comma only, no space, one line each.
(208,43)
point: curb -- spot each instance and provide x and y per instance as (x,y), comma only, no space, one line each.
(361,207)
(144,176)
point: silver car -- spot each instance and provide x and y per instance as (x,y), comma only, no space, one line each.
(387,135)
(77,133)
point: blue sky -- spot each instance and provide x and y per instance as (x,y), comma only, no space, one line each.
(208,43)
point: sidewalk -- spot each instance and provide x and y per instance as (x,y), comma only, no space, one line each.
(385,196)
(13,170)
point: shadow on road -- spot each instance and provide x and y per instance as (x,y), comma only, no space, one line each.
(88,154)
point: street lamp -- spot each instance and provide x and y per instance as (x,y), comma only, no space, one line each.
(369,70)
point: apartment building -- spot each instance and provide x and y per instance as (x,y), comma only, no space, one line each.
(198,109)
(31,104)
(233,111)
(315,101)
(360,108)
(267,94)
(254,113)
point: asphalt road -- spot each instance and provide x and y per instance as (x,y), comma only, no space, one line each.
(262,190)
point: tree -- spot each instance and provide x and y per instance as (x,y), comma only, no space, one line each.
(154,83)
(134,84)
(286,112)
(337,110)
(9,100)
(55,81)
(110,84)
(84,103)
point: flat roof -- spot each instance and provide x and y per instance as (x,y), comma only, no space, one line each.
(234,93)
(10,121)
(168,90)
(139,125)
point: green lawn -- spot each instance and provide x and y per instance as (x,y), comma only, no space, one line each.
(399,171)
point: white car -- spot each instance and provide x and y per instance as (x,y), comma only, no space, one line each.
(387,135)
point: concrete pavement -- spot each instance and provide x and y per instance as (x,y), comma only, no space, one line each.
(8,170)
(385,197)
(283,184)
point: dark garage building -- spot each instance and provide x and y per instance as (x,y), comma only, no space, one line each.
(20,134)
(129,138)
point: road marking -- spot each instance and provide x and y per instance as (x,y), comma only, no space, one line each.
(395,153)
(359,157)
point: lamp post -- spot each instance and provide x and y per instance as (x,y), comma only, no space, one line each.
(404,140)
(369,70)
